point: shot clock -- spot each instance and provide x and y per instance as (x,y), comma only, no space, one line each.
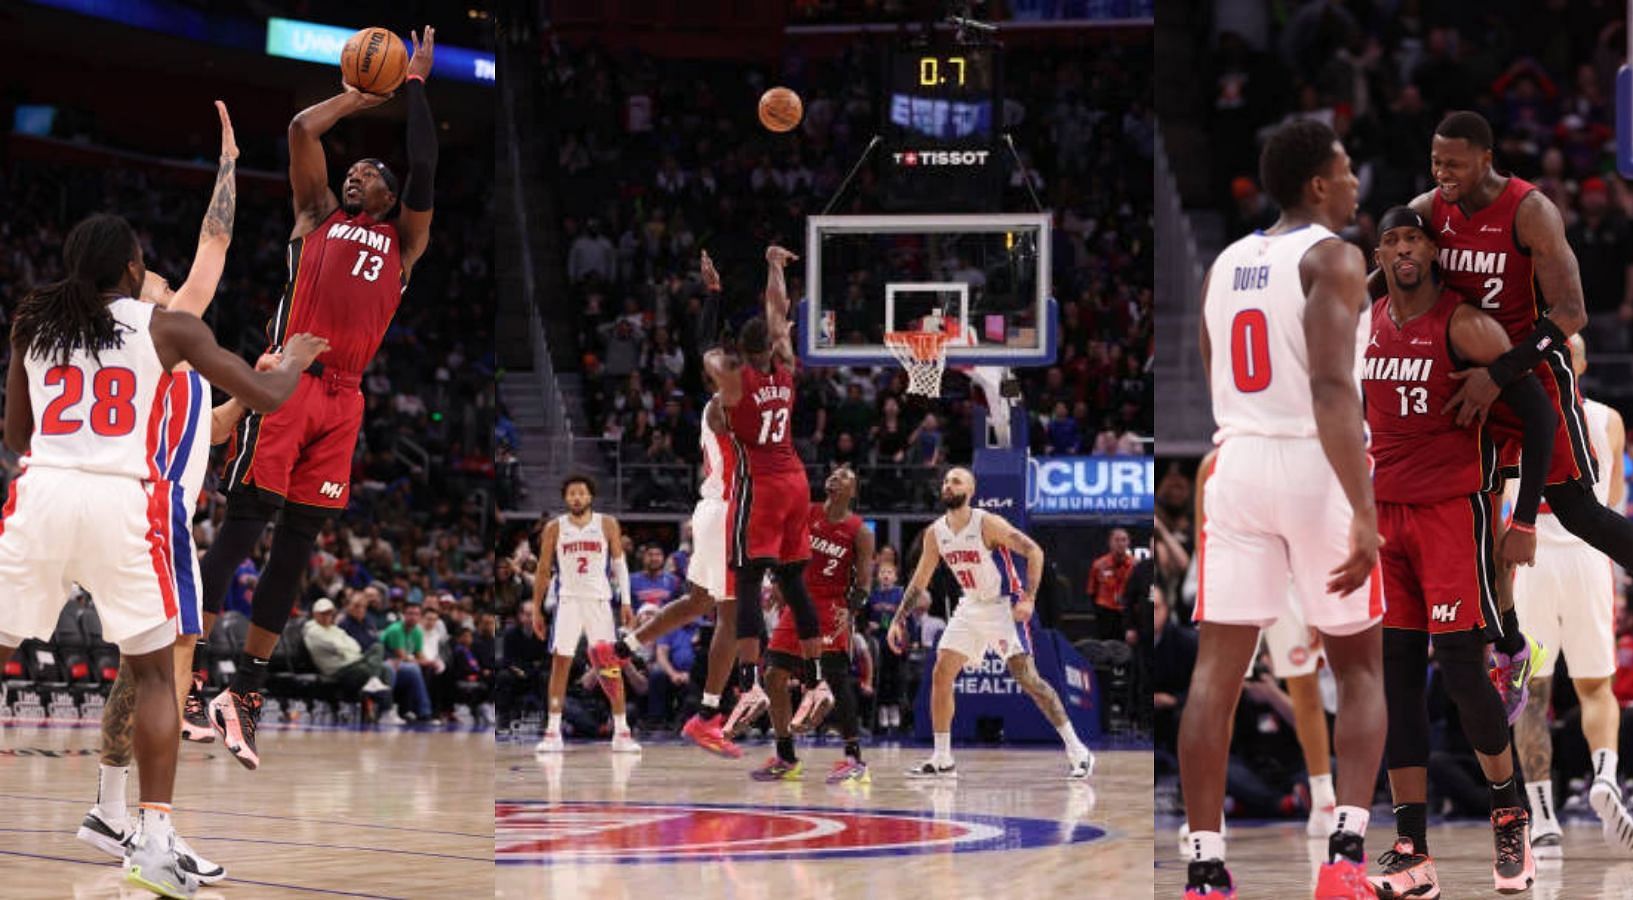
(942,115)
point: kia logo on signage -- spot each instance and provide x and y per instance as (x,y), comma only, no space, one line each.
(996,503)
(911,158)
(1091,484)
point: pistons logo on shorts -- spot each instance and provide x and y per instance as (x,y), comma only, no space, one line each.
(1298,656)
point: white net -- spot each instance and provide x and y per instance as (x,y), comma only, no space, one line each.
(924,355)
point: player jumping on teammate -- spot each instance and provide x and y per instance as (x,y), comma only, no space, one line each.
(350,258)
(842,558)
(966,539)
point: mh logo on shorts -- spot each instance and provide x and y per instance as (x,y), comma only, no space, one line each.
(332,490)
(1445,613)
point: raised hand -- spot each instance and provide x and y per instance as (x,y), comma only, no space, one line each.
(711,277)
(229,145)
(778,257)
(420,63)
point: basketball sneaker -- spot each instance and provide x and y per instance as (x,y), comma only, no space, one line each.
(1406,873)
(1515,868)
(778,769)
(1512,675)
(1082,766)
(849,770)
(815,706)
(751,705)
(1344,875)
(1208,879)
(550,743)
(706,733)
(1606,799)
(235,716)
(103,832)
(195,725)
(152,863)
(607,667)
(196,865)
(933,768)
(625,743)
(1548,841)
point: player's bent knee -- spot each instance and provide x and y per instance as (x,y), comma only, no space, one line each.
(250,505)
(301,521)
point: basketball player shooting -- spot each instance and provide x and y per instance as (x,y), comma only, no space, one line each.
(350,258)
(842,559)
(965,538)
(90,373)
(582,546)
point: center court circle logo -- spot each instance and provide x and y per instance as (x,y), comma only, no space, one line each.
(537,832)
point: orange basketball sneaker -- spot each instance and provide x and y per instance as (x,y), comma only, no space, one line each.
(1407,873)
(706,733)
(1514,868)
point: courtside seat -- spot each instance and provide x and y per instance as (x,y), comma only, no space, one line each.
(73,647)
(104,656)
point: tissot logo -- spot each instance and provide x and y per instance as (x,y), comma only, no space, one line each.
(912,158)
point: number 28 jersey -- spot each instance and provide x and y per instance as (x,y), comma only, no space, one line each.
(1254,314)
(762,420)
(1419,455)
(346,280)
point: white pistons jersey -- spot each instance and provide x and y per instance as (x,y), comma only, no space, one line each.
(1548,528)
(723,463)
(966,553)
(103,413)
(581,560)
(1254,314)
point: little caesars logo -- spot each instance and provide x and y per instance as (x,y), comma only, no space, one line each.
(912,158)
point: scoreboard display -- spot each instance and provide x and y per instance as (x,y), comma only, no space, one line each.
(942,120)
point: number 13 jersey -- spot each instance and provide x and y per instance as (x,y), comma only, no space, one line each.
(346,279)
(1254,314)
(762,420)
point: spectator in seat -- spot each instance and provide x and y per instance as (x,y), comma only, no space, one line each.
(337,655)
(467,666)
(404,645)
(652,586)
(523,666)
(671,672)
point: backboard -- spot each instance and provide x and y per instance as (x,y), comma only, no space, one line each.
(986,274)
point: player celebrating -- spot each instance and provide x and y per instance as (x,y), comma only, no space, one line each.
(349,260)
(1566,602)
(842,550)
(966,539)
(581,543)
(1434,483)
(1290,496)
(86,393)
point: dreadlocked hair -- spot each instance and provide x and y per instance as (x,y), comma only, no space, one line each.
(55,320)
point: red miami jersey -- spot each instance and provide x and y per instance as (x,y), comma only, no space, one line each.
(346,280)
(827,576)
(1420,456)
(1481,258)
(761,420)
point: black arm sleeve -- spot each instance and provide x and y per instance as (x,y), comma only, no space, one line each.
(422,148)
(1525,355)
(708,322)
(1526,397)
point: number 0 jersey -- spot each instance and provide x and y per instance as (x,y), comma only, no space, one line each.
(346,280)
(1420,456)
(1254,314)
(106,413)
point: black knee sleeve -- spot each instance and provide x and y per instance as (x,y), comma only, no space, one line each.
(791,578)
(1462,661)
(1406,675)
(845,700)
(750,618)
(247,518)
(292,541)
(1598,525)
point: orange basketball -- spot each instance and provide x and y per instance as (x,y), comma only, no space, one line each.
(780,109)
(374,61)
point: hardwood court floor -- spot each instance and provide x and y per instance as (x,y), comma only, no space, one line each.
(328,813)
(1277,861)
(676,822)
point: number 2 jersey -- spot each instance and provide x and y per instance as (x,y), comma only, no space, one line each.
(1254,314)
(1420,456)
(346,280)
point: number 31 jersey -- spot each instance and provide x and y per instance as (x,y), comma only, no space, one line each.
(1254,315)
(1419,455)
(346,279)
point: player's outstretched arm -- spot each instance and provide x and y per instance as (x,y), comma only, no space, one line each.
(19,411)
(776,304)
(414,222)
(915,598)
(544,575)
(308,169)
(180,337)
(1334,276)
(708,321)
(727,380)
(215,234)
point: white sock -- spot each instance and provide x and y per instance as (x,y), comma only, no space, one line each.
(712,701)
(620,726)
(1604,764)
(1207,845)
(554,725)
(1353,819)
(1321,793)
(154,819)
(1068,736)
(1540,795)
(631,642)
(944,746)
(110,793)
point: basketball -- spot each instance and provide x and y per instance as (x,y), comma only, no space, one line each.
(780,109)
(374,61)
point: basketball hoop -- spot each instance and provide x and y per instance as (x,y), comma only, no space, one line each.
(924,355)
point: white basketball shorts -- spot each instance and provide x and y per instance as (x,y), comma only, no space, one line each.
(708,568)
(1567,603)
(580,617)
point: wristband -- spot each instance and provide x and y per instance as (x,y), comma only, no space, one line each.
(416,77)
(1522,527)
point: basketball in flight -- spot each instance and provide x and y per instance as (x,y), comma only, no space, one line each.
(780,109)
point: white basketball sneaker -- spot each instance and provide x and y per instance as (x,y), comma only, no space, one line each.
(1082,766)
(104,832)
(1606,799)
(196,865)
(625,743)
(934,768)
(1547,839)
(551,743)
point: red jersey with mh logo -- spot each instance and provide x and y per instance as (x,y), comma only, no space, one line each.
(346,279)
(761,420)
(827,578)
(1420,455)
(1481,258)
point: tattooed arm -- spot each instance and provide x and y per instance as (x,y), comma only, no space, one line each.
(215,234)
(118,722)
(915,597)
